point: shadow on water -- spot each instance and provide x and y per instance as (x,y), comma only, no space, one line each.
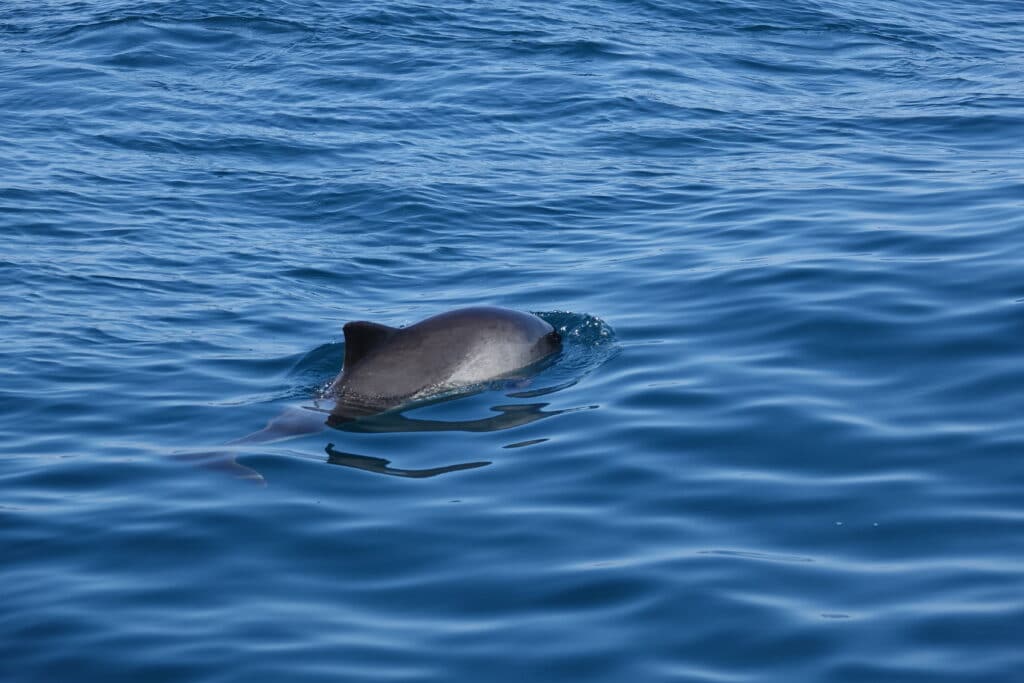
(588,343)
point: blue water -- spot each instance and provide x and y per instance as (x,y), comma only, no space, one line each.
(784,241)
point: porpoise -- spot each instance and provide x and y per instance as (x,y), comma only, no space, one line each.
(388,367)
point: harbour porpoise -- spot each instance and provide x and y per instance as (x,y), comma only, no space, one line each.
(387,367)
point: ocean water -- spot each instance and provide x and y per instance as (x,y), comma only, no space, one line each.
(784,241)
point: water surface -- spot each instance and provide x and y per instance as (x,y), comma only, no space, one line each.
(784,444)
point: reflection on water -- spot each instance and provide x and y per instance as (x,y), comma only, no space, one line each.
(310,419)
(508,416)
(380,465)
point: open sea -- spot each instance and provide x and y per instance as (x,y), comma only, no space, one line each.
(784,242)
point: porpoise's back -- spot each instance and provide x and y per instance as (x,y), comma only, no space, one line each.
(386,366)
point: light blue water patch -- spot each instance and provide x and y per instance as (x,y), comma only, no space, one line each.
(783,243)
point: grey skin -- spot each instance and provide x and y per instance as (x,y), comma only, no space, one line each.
(388,367)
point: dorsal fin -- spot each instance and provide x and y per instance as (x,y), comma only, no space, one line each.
(362,337)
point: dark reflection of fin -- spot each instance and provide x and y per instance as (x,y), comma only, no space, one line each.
(380,465)
(508,417)
(223,462)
